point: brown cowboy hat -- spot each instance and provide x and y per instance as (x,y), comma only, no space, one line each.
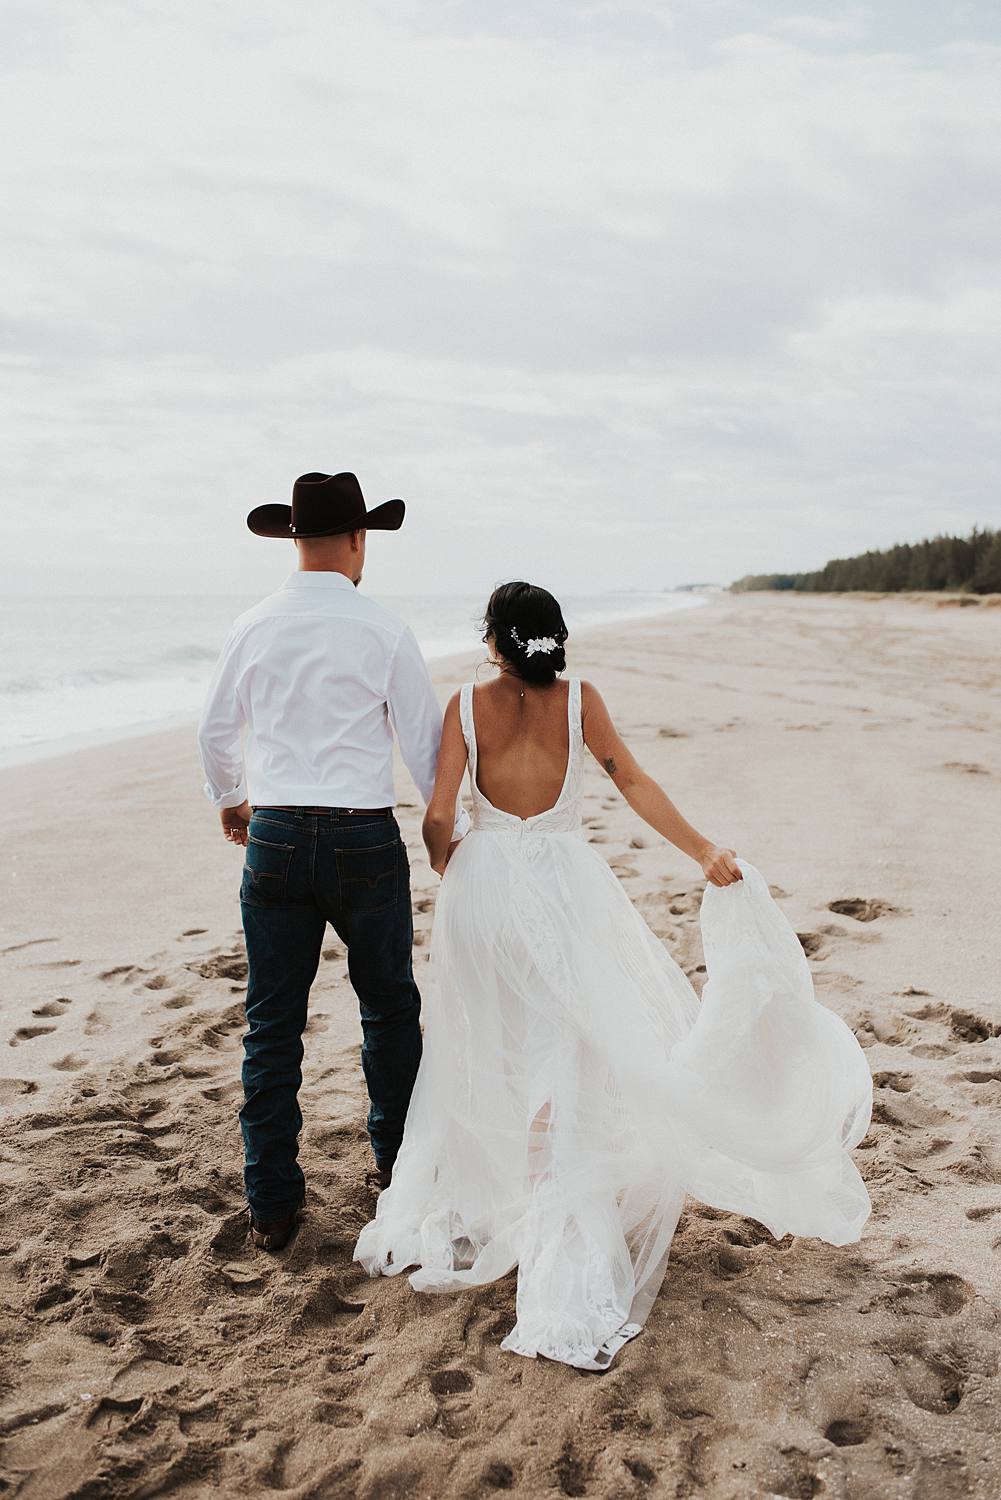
(325,505)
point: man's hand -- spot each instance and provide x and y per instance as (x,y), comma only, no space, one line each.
(235,822)
(720,865)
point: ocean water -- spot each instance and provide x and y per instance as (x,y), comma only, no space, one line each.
(83,670)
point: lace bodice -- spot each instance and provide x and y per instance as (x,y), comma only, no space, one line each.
(565,814)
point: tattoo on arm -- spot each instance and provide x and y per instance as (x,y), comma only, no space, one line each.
(610,765)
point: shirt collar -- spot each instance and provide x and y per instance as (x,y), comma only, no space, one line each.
(302,578)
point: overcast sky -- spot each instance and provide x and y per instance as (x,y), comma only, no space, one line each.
(612,294)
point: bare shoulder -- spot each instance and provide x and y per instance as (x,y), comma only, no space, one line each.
(589,696)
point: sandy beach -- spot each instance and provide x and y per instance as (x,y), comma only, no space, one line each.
(848,747)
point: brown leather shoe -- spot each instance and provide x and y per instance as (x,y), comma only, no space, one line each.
(379,1177)
(274,1234)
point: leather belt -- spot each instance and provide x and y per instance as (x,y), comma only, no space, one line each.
(332,812)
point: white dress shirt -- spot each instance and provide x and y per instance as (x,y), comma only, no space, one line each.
(320,676)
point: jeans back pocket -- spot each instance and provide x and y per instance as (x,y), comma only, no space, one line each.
(368,880)
(265,870)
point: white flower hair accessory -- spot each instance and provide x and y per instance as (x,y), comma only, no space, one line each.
(542,643)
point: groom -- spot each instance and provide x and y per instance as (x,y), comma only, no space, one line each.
(320,676)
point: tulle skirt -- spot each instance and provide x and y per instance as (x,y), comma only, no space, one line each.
(574,1089)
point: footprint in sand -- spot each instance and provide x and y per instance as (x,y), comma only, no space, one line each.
(979,1165)
(16,1088)
(70,1063)
(848,935)
(812,944)
(231,965)
(926,1294)
(194,932)
(223,1093)
(861,908)
(110,1415)
(450,1382)
(967,1027)
(242,1279)
(28,1033)
(933,1381)
(214,1037)
(453,1418)
(166,1059)
(52,1009)
(901,1083)
(337,1414)
(848,1432)
(970,767)
(964,1025)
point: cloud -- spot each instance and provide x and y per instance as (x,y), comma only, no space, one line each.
(810,28)
(612,302)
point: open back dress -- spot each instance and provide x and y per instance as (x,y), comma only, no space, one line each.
(574,1089)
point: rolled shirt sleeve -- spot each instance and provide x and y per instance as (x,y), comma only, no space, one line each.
(220,727)
(416,718)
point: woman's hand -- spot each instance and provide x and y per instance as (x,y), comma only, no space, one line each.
(441,868)
(720,865)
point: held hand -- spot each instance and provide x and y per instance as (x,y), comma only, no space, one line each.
(235,822)
(720,865)
(441,868)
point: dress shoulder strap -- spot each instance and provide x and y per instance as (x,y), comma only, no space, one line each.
(574,711)
(466,721)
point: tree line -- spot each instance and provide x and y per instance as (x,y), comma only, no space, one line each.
(971,564)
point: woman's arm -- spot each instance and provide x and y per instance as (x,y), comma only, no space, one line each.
(439,819)
(645,796)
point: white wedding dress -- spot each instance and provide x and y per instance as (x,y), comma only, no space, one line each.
(573,1088)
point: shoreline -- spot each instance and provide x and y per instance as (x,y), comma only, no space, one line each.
(45,750)
(42,750)
(939,597)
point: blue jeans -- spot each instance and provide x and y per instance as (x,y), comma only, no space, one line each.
(303,870)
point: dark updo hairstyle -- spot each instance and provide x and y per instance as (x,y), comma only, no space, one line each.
(516,615)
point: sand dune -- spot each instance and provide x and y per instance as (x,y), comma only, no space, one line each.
(850,749)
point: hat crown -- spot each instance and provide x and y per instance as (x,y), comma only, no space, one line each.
(324,501)
(325,505)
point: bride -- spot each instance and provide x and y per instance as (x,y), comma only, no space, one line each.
(573,1089)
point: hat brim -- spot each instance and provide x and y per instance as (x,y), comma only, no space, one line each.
(276,520)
